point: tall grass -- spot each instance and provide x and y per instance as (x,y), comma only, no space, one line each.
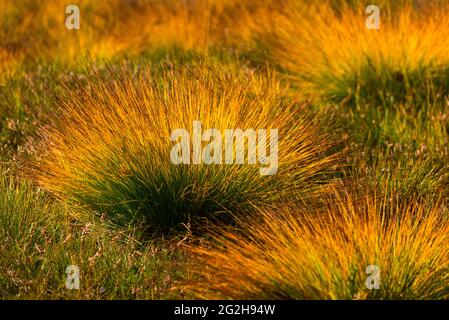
(337,54)
(302,254)
(110,146)
(390,85)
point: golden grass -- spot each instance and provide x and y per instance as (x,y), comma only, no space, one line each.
(33,30)
(307,38)
(107,148)
(38,240)
(303,254)
(195,25)
(110,146)
(336,53)
(7,65)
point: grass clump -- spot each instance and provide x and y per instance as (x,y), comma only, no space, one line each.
(389,85)
(302,254)
(339,56)
(110,148)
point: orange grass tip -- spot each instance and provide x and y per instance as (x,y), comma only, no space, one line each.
(368,248)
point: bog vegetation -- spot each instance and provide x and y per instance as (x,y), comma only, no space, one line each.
(87,179)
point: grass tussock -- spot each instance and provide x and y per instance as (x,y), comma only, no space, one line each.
(338,55)
(301,254)
(110,147)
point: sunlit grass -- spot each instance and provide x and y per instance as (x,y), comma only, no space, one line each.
(389,85)
(305,254)
(97,140)
(34,31)
(338,55)
(110,147)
